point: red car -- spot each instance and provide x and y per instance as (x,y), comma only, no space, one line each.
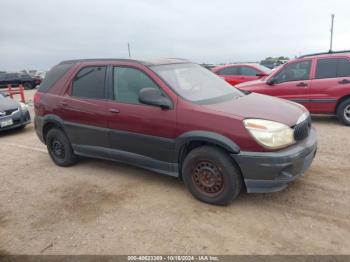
(176,118)
(320,82)
(239,73)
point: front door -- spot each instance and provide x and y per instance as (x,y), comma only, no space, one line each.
(292,82)
(145,133)
(248,73)
(230,74)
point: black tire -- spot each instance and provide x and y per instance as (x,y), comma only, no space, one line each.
(59,148)
(211,175)
(343,112)
(21,127)
(28,85)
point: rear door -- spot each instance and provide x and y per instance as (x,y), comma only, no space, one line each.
(83,109)
(230,74)
(330,82)
(142,132)
(292,82)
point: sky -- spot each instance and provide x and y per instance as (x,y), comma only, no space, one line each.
(37,34)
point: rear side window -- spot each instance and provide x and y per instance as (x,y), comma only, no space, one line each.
(54,75)
(326,68)
(90,82)
(343,69)
(248,71)
(229,71)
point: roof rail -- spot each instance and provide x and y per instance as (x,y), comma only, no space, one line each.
(325,53)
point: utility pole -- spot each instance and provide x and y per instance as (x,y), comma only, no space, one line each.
(331,44)
(129,50)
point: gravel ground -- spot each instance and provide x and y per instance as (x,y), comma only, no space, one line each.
(100,207)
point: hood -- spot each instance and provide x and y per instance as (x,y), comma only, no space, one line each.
(260,81)
(262,107)
(7,104)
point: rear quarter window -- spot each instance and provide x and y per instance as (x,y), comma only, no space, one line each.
(54,75)
(343,69)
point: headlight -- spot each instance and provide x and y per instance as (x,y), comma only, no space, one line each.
(270,134)
(24,107)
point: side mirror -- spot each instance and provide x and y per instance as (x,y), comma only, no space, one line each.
(152,96)
(271,81)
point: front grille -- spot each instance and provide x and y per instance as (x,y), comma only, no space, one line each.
(7,112)
(302,130)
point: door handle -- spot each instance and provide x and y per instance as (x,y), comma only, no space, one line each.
(114,110)
(301,84)
(344,81)
(63,103)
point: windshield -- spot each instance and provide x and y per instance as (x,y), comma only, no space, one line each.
(195,83)
(265,69)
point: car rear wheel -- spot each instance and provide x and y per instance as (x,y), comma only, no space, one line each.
(28,86)
(211,176)
(59,148)
(343,112)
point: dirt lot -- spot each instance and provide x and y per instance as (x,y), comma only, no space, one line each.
(100,207)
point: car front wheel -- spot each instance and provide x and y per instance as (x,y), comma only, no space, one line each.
(211,176)
(59,148)
(28,86)
(343,112)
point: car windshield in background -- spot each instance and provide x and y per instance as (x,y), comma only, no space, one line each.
(195,83)
(265,69)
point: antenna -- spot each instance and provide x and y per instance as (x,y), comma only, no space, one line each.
(129,50)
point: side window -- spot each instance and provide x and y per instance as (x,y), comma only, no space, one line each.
(326,68)
(294,72)
(229,71)
(343,68)
(127,83)
(90,82)
(248,71)
(10,76)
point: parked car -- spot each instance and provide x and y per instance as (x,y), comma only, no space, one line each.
(208,66)
(13,114)
(40,75)
(176,118)
(320,82)
(239,73)
(16,79)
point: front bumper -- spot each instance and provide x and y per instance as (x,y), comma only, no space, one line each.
(272,171)
(19,119)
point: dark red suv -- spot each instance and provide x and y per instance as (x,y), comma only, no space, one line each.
(320,82)
(176,118)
